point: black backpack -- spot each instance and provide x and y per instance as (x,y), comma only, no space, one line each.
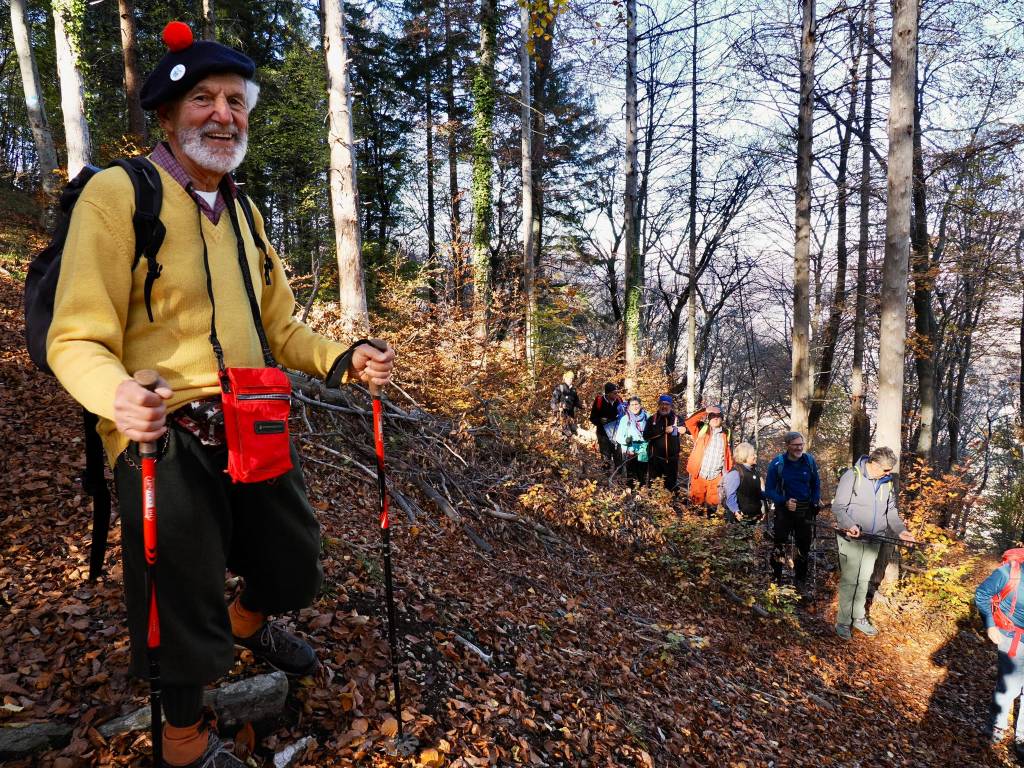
(41,288)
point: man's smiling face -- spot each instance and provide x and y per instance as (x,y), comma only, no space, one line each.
(210,124)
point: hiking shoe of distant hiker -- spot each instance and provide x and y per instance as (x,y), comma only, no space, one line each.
(843,631)
(217,754)
(280,649)
(865,627)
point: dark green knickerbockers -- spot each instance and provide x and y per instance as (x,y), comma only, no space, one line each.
(265,532)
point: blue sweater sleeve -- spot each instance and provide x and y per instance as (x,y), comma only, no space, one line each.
(771,484)
(988,589)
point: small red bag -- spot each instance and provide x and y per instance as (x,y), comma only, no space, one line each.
(257,402)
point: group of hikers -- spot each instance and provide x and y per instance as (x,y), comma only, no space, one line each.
(218,325)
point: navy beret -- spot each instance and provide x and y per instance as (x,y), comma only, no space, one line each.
(187,62)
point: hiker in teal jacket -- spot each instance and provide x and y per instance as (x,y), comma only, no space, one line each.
(629,435)
(999,589)
(865,503)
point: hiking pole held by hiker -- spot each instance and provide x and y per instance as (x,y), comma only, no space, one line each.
(874,537)
(385,527)
(147,453)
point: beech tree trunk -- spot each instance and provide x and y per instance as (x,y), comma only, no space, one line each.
(860,426)
(801,394)
(132,81)
(46,154)
(66,29)
(455,196)
(526,159)
(924,320)
(342,174)
(893,337)
(209,20)
(483,148)
(431,205)
(691,303)
(634,267)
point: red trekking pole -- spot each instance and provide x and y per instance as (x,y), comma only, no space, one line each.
(147,452)
(378,440)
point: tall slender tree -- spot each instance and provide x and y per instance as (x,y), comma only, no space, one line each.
(801,394)
(67,27)
(451,132)
(893,335)
(634,264)
(344,189)
(132,81)
(924,319)
(484,98)
(526,164)
(691,288)
(46,154)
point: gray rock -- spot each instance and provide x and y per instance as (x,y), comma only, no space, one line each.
(16,740)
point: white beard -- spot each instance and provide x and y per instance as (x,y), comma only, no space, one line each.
(218,160)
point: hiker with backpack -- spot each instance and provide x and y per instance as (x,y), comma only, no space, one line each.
(794,486)
(1000,603)
(663,440)
(604,415)
(709,459)
(564,404)
(629,435)
(864,506)
(744,496)
(215,321)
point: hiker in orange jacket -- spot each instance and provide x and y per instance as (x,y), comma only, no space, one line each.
(710,457)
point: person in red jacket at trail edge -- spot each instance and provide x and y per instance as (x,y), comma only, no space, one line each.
(710,458)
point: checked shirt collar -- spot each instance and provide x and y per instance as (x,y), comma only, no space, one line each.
(163,157)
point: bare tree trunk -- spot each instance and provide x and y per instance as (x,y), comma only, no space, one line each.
(893,337)
(860,427)
(209,20)
(132,82)
(802,253)
(483,149)
(924,320)
(455,196)
(72,97)
(634,268)
(344,190)
(431,205)
(825,374)
(543,55)
(691,308)
(526,160)
(46,154)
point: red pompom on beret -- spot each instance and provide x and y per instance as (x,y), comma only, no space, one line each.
(177,36)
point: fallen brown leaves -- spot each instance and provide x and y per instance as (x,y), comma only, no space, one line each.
(586,648)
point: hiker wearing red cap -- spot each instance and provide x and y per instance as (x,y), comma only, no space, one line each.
(221,311)
(710,457)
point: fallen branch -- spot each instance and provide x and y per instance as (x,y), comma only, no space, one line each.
(485,657)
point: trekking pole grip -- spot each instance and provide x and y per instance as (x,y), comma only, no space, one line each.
(382,346)
(147,379)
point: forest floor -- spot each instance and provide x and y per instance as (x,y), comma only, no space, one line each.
(596,648)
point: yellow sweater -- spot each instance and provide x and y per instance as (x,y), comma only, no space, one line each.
(101,334)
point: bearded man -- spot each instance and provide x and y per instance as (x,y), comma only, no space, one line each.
(222,302)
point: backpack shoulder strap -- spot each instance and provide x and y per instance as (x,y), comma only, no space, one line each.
(149,230)
(246,205)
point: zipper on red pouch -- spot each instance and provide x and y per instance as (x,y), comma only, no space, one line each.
(263,396)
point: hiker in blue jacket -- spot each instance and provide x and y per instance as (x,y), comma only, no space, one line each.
(629,434)
(794,486)
(999,601)
(865,503)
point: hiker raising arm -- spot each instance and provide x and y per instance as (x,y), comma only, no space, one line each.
(205,322)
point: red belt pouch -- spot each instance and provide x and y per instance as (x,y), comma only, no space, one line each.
(256,402)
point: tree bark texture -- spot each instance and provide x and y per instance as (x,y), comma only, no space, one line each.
(860,426)
(209,20)
(132,81)
(924,319)
(526,160)
(67,23)
(801,394)
(634,267)
(691,290)
(454,194)
(484,97)
(46,154)
(344,190)
(892,341)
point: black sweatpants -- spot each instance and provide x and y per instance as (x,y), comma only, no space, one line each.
(609,449)
(802,529)
(666,468)
(264,532)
